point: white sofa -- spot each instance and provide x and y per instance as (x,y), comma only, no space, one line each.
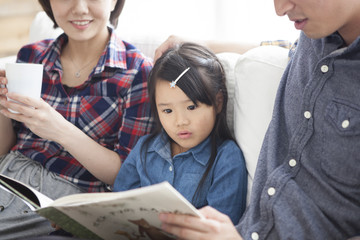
(252,80)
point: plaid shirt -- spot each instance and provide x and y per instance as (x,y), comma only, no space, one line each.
(111,106)
(282,43)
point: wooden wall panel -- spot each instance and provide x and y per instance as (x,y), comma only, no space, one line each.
(15,20)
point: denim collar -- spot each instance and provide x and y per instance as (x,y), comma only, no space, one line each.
(161,145)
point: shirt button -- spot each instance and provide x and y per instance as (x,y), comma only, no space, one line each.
(66,102)
(307,114)
(292,162)
(170,168)
(254,236)
(2,208)
(345,123)
(324,68)
(271,191)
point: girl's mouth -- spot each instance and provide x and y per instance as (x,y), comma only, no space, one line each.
(184,134)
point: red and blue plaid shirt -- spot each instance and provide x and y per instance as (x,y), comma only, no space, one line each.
(111,107)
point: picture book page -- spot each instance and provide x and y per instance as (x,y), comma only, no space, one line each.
(127,215)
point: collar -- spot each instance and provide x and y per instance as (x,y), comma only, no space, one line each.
(333,45)
(161,145)
(113,56)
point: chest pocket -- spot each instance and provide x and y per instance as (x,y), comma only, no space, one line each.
(341,146)
(99,116)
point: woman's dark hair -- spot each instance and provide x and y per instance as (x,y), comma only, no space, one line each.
(202,83)
(114,15)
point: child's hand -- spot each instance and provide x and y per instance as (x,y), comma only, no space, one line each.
(54,225)
(59,231)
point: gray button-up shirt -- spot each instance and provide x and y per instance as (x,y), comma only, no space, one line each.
(307,182)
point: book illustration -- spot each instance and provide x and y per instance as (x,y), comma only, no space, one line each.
(124,215)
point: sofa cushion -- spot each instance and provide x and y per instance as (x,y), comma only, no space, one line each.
(42,28)
(228,61)
(257,74)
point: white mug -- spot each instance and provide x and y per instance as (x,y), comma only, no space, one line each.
(24,78)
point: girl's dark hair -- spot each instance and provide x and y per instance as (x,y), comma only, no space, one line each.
(202,83)
(114,15)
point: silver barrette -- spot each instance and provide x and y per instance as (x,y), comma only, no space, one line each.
(173,83)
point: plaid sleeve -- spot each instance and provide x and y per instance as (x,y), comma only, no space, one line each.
(136,117)
(282,43)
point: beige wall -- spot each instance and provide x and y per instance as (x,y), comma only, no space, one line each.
(15,20)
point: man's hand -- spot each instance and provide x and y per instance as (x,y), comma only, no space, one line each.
(214,225)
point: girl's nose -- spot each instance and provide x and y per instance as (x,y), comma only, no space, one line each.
(182,120)
(283,6)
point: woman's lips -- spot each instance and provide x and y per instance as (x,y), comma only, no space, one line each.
(83,24)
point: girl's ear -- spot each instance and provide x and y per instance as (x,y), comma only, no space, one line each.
(219,101)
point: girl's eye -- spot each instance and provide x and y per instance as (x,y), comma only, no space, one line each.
(167,110)
(192,107)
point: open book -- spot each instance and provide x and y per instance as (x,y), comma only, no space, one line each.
(126,215)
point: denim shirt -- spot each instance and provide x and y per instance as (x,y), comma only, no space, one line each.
(307,182)
(224,189)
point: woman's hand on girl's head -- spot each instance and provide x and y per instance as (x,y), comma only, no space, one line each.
(214,225)
(36,114)
(170,42)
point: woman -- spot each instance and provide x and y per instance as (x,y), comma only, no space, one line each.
(94,107)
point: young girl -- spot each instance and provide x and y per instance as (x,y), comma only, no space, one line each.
(191,147)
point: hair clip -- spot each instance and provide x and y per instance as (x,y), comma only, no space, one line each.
(173,83)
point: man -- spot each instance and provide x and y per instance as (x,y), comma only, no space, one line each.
(307,183)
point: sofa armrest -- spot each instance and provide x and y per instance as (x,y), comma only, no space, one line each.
(257,76)
(4,60)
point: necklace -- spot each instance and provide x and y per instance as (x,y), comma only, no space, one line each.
(78,72)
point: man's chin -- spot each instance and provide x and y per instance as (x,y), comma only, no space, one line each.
(316,34)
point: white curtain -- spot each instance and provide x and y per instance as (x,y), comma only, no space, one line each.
(230,20)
